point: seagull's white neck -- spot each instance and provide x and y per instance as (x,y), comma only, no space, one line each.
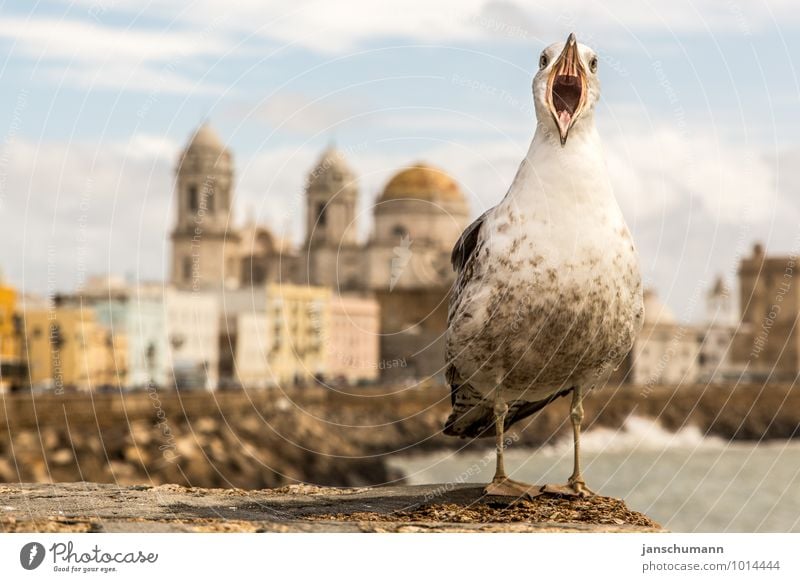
(575,172)
(583,138)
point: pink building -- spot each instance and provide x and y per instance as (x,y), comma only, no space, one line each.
(352,345)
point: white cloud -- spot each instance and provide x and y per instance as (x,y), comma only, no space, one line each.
(270,184)
(141,78)
(656,169)
(300,113)
(330,26)
(426,121)
(150,148)
(95,56)
(77,40)
(295,112)
(78,209)
(347,24)
(87,50)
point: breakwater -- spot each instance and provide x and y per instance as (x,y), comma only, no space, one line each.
(270,438)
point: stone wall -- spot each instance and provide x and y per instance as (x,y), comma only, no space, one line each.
(267,438)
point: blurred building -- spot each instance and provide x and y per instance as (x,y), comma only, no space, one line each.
(665,352)
(209,250)
(138,313)
(204,247)
(193,328)
(245,347)
(352,344)
(264,257)
(332,255)
(284,334)
(404,264)
(12,361)
(300,319)
(69,349)
(715,336)
(418,218)
(273,335)
(767,343)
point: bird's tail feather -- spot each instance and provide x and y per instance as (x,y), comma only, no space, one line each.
(473,417)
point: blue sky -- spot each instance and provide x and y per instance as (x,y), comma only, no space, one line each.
(699,116)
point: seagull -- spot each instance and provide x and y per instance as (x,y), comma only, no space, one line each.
(547,298)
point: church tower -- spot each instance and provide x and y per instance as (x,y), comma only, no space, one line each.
(331,196)
(719,304)
(204,243)
(333,256)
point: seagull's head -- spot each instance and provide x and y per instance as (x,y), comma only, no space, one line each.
(566,86)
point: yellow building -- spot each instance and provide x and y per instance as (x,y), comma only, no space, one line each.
(300,318)
(284,334)
(69,350)
(11,361)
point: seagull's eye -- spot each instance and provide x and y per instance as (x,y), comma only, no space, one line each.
(593,65)
(543,61)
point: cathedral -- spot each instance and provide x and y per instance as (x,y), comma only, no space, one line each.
(404,263)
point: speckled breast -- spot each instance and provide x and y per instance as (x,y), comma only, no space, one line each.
(548,328)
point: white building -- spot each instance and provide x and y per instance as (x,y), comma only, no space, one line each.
(192,324)
(716,335)
(665,351)
(246,345)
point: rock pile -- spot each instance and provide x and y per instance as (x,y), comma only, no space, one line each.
(209,451)
(270,439)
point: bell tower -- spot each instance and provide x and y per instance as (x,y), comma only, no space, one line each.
(331,195)
(719,307)
(333,255)
(204,242)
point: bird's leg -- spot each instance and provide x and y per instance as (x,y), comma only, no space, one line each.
(501,485)
(575,486)
(500,411)
(576,481)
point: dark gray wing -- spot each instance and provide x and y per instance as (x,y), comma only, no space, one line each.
(462,396)
(466,243)
(462,258)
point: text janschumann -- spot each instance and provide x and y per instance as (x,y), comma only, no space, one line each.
(676,549)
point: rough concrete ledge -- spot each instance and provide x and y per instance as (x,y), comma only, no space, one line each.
(90,507)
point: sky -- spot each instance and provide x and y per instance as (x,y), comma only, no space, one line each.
(699,116)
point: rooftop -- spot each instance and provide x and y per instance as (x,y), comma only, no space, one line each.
(422,182)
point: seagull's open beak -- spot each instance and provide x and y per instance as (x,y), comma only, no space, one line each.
(566,88)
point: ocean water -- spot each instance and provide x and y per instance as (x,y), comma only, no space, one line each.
(685,481)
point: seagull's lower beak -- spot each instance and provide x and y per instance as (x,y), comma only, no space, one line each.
(566,88)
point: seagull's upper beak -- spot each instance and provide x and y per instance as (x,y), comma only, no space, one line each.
(566,88)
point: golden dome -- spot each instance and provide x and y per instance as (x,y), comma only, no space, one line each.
(422,182)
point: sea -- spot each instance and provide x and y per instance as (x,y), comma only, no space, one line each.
(686,481)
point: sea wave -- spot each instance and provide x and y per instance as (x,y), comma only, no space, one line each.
(636,433)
